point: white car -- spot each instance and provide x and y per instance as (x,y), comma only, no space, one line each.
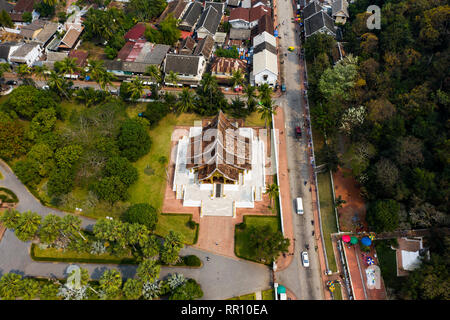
(305,259)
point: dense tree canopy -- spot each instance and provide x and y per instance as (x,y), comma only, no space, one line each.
(133,140)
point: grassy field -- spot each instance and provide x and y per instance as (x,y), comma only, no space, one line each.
(268,294)
(327,215)
(337,292)
(242,236)
(150,188)
(250,296)
(176,222)
(254,120)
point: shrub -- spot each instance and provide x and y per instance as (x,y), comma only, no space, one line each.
(192,261)
(191,224)
(7,195)
(142,213)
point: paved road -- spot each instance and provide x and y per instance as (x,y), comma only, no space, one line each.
(220,277)
(305,283)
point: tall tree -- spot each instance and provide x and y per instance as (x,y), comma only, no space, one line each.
(148,271)
(185,101)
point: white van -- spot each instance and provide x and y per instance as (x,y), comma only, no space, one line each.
(299,206)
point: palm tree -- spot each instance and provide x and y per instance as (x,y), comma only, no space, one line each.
(172,78)
(264,92)
(250,94)
(29,223)
(41,72)
(136,88)
(58,84)
(154,72)
(95,69)
(23,71)
(105,79)
(4,67)
(238,78)
(272,190)
(267,110)
(68,66)
(185,101)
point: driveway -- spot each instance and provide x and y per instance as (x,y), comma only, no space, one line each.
(220,277)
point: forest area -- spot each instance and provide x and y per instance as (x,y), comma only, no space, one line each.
(383,111)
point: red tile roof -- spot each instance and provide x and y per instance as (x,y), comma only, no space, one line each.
(80,55)
(258,12)
(240,14)
(25,5)
(135,33)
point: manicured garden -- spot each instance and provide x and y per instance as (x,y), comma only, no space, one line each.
(327,215)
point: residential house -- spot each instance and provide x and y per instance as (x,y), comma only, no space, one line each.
(408,255)
(246,4)
(319,22)
(176,8)
(256,3)
(46,34)
(242,18)
(136,33)
(71,39)
(312,8)
(189,68)
(30,31)
(205,47)
(233,3)
(27,53)
(223,68)
(6,50)
(240,34)
(20,8)
(340,11)
(265,24)
(265,63)
(186,46)
(136,63)
(191,17)
(219,6)
(208,23)
(81,57)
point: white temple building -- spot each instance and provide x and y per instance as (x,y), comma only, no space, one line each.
(219,168)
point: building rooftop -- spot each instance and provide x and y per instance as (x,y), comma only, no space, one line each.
(205,47)
(183,64)
(227,65)
(176,8)
(240,34)
(225,151)
(70,38)
(210,20)
(135,33)
(318,21)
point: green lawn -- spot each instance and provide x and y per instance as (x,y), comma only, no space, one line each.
(268,294)
(250,296)
(254,120)
(337,292)
(176,222)
(327,215)
(242,236)
(52,254)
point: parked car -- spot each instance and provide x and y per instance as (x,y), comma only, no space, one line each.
(11,82)
(46,87)
(305,259)
(283,87)
(298,131)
